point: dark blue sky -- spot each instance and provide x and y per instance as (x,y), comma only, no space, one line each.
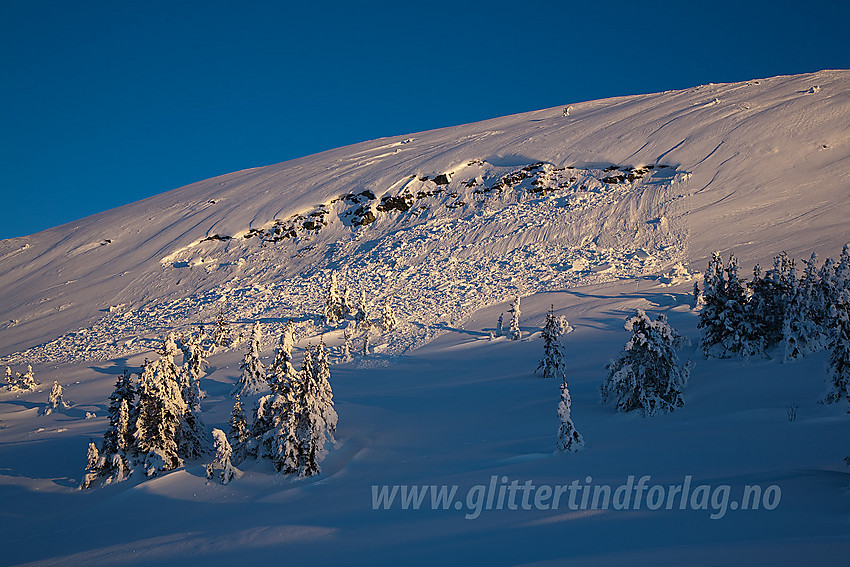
(106,102)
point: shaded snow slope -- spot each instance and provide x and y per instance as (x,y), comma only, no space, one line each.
(448,220)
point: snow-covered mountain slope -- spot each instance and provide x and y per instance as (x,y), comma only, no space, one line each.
(588,212)
(448,220)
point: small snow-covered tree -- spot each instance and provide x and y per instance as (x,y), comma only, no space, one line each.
(317,418)
(647,376)
(27,381)
(499,325)
(347,335)
(194,361)
(569,440)
(388,319)
(516,332)
(362,314)
(222,335)
(239,431)
(221,469)
(697,296)
(333,310)
(552,363)
(282,373)
(92,466)
(10,381)
(118,448)
(253,379)
(55,400)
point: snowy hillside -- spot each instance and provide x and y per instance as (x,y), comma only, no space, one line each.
(525,203)
(598,208)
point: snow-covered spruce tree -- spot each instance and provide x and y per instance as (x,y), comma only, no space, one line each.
(362,314)
(193,439)
(647,376)
(333,308)
(118,448)
(282,373)
(160,413)
(26,381)
(769,297)
(697,296)
(221,469)
(388,319)
(10,381)
(92,466)
(802,330)
(569,440)
(347,335)
(838,381)
(273,433)
(223,336)
(552,363)
(54,400)
(194,361)
(728,329)
(253,379)
(317,419)
(499,325)
(516,332)
(239,431)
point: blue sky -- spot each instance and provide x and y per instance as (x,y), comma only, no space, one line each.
(105,103)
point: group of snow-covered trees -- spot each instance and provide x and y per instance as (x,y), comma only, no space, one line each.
(21,382)
(156,424)
(646,376)
(292,425)
(339,308)
(804,312)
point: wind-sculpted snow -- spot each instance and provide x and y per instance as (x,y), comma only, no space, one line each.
(487,234)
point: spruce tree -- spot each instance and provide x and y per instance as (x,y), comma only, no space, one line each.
(516,332)
(239,431)
(362,314)
(499,325)
(92,466)
(118,448)
(317,419)
(770,296)
(194,362)
(282,373)
(569,440)
(54,400)
(223,335)
(347,335)
(389,321)
(647,376)
(552,363)
(27,380)
(161,412)
(221,469)
(10,381)
(801,330)
(839,350)
(253,379)
(333,308)
(273,434)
